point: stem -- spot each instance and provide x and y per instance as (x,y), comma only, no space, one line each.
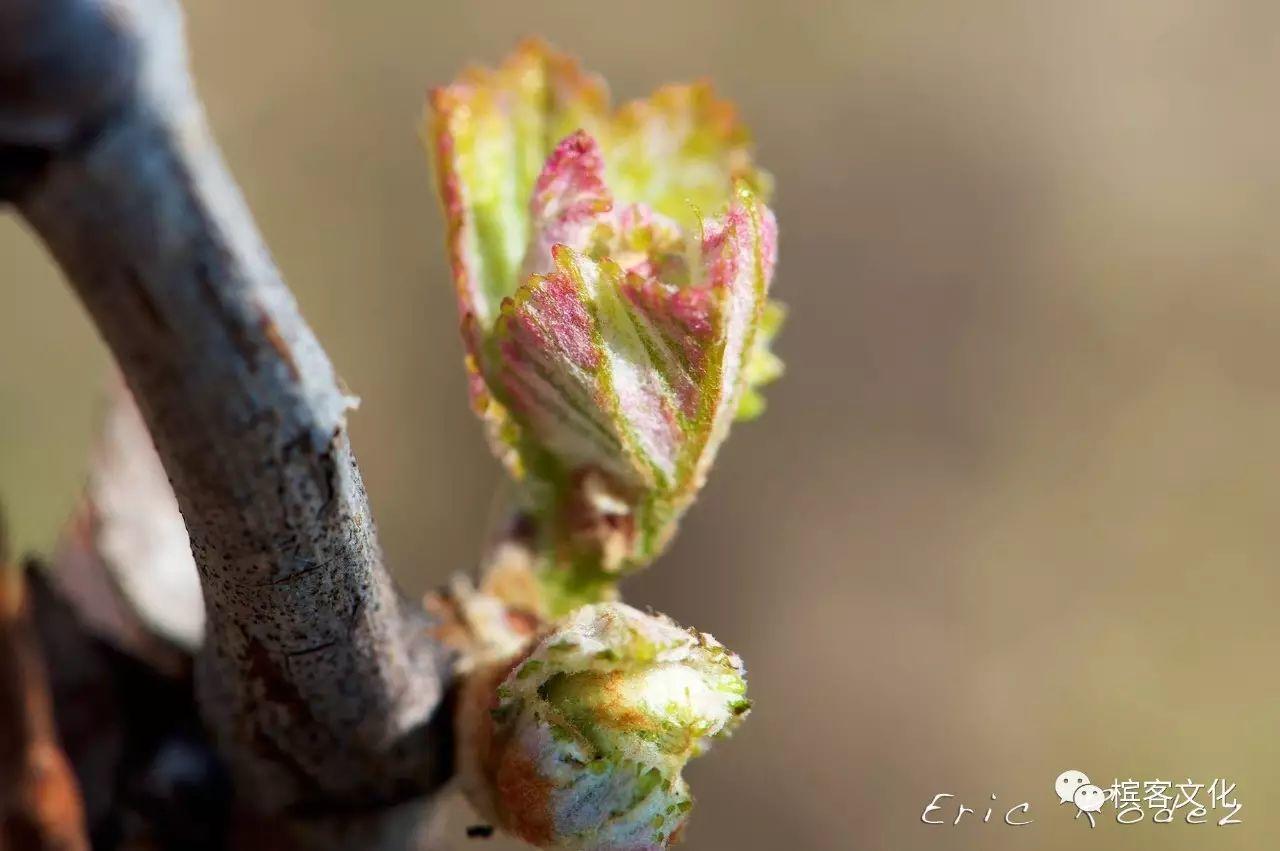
(319,681)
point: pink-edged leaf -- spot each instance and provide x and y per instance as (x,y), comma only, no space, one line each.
(490,132)
(700,337)
(738,255)
(570,201)
(574,371)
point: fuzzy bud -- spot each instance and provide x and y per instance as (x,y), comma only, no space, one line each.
(580,744)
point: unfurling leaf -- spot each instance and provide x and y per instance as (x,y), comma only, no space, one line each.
(612,272)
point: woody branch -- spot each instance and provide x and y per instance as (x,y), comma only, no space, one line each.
(320,682)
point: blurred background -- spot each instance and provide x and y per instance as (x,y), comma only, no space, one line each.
(1013,508)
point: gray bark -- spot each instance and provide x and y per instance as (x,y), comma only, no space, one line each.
(320,682)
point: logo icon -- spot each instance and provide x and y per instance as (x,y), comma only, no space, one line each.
(1073,787)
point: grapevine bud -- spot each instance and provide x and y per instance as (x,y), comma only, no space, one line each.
(580,744)
(613,332)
